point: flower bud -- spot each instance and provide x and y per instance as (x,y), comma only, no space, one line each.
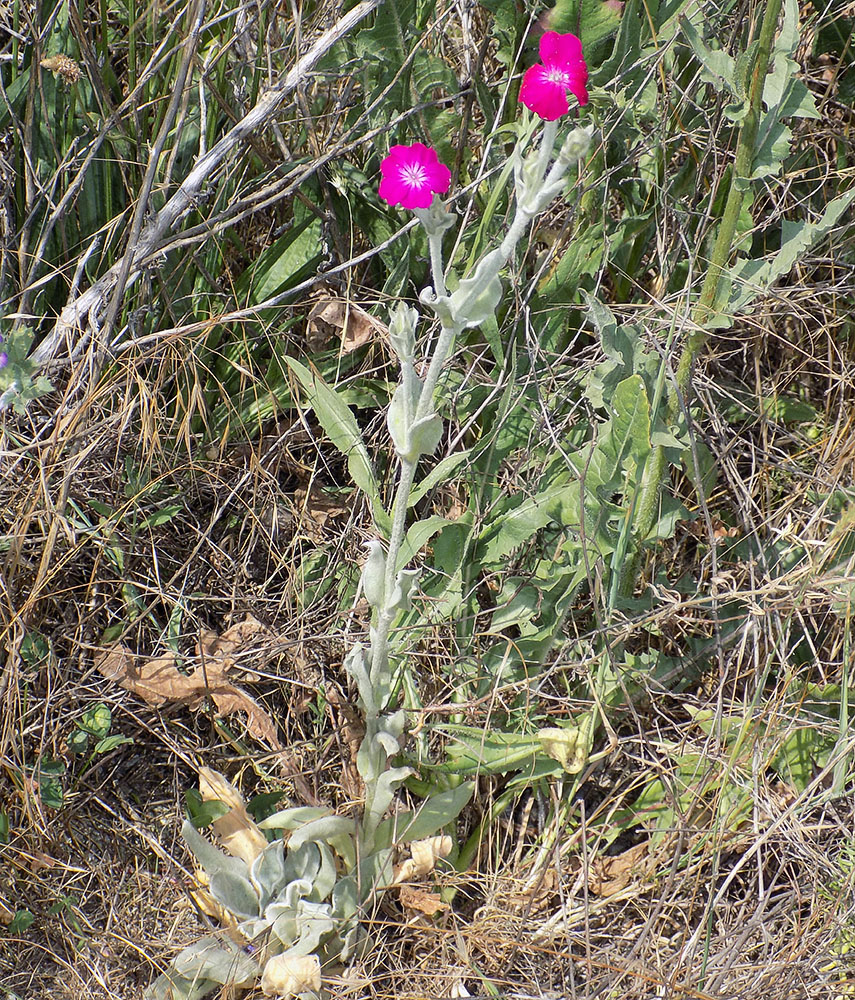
(576,145)
(402,332)
(374,574)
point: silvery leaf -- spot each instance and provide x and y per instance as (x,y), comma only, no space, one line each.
(302,863)
(394,723)
(235,893)
(292,895)
(399,416)
(440,304)
(389,744)
(220,960)
(356,665)
(374,574)
(285,928)
(375,871)
(386,785)
(405,584)
(171,986)
(268,872)
(290,819)
(402,331)
(322,829)
(324,881)
(212,860)
(345,898)
(436,219)
(476,298)
(423,437)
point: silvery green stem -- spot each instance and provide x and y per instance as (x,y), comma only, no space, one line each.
(547,144)
(380,640)
(436,267)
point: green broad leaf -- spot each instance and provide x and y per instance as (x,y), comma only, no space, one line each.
(592,20)
(474,751)
(717,67)
(96,721)
(418,535)
(752,278)
(110,743)
(21,922)
(203,813)
(440,473)
(671,511)
(431,74)
(518,524)
(517,603)
(623,442)
(583,254)
(220,960)
(782,89)
(625,351)
(291,258)
(434,813)
(340,425)
(773,146)
(48,774)
(162,516)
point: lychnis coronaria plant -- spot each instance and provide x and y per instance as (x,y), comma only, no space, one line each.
(295,903)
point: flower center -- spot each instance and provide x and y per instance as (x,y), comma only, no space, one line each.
(414,175)
(556,74)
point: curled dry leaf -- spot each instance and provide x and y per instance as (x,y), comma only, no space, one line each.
(237,831)
(609,876)
(425,854)
(160,682)
(336,318)
(287,975)
(420,901)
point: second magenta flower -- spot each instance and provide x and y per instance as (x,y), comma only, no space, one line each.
(412,175)
(562,68)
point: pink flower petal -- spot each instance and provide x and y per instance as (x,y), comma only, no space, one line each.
(562,49)
(542,95)
(544,87)
(411,176)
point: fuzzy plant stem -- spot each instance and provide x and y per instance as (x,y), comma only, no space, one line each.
(406,475)
(448,332)
(654,468)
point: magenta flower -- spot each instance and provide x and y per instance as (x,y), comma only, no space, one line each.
(562,68)
(411,176)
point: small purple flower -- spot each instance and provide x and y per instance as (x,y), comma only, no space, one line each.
(4,359)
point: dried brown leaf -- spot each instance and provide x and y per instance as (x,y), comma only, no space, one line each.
(237,831)
(419,900)
(611,875)
(336,318)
